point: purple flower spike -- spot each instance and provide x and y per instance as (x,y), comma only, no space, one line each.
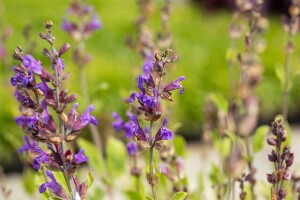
(80,157)
(175,85)
(131,147)
(28,146)
(86,117)
(33,65)
(118,125)
(163,133)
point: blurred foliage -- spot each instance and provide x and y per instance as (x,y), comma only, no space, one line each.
(200,40)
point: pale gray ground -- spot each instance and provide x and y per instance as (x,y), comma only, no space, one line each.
(198,160)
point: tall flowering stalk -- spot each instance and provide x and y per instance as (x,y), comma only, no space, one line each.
(82,23)
(282,158)
(46,138)
(149,99)
(291,27)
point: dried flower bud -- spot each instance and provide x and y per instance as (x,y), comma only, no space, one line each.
(157,57)
(47,53)
(48,24)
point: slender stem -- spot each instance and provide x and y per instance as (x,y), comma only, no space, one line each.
(84,89)
(151,164)
(62,129)
(249,163)
(286,87)
(137,178)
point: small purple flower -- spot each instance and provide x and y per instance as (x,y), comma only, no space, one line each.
(175,85)
(93,25)
(80,157)
(86,117)
(24,80)
(137,129)
(32,65)
(67,26)
(28,146)
(163,133)
(148,64)
(131,147)
(146,84)
(42,157)
(45,116)
(54,186)
(118,124)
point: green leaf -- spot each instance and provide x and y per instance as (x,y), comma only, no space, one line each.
(179,196)
(96,194)
(180,145)
(259,138)
(90,179)
(133,195)
(220,101)
(95,159)
(116,156)
(148,198)
(60,178)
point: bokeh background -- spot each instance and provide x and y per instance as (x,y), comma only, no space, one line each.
(200,38)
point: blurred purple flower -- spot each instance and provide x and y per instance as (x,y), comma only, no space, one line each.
(118,124)
(27,146)
(131,147)
(80,157)
(93,25)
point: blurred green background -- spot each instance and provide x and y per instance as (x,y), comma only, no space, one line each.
(200,39)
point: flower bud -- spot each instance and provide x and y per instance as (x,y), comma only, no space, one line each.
(272,141)
(65,47)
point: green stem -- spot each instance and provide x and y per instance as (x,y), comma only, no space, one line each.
(286,87)
(62,129)
(151,164)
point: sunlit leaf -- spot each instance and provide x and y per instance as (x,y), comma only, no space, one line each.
(179,196)
(180,145)
(133,195)
(259,138)
(95,159)
(116,156)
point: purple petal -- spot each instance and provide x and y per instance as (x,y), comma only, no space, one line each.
(86,117)
(131,148)
(80,157)
(33,65)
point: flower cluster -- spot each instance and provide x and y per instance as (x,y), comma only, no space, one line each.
(37,90)
(281,158)
(148,103)
(79,31)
